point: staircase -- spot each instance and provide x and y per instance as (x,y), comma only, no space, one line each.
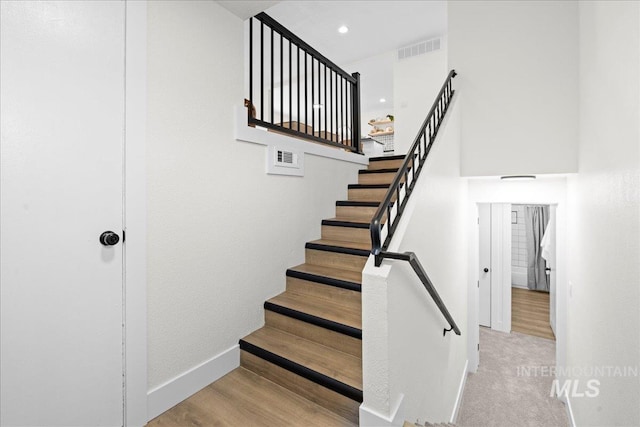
(311,343)
(304,367)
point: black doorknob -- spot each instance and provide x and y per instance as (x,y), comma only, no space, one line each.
(486,270)
(109,238)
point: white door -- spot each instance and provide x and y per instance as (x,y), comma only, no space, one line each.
(551,265)
(61,290)
(484,273)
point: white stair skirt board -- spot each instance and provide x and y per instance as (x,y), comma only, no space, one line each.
(169,394)
(463,381)
(370,418)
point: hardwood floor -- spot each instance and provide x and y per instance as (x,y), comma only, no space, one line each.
(243,398)
(530,313)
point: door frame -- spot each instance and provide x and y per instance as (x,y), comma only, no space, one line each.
(559,205)
(501,267)
(500,263)
(135,216)
(484,261)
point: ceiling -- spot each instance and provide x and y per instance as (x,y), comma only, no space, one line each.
(376,30)
(246,9)
(374,26)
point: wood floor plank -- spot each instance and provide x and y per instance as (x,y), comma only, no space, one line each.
(530,313)
(329,399)
(367,194)
(324,360)
(346,312)
(358,213)
(243,398)
(335,273)
(308,331)
(377,178)
(346,234)
(319,290)
(335,260)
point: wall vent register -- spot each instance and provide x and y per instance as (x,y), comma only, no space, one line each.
(286,158)
(285,162)
(419,48)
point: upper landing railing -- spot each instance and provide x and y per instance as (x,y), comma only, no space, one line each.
(294,89)
(400,190)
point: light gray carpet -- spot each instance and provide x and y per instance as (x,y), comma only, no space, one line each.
(497,396)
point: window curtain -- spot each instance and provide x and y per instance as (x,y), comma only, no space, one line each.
(536,220)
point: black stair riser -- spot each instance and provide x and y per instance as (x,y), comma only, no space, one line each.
(334,223)
(337,249)
(356,204)
(313,376)
(314,320)
(329,281)
(373,171)
(383,158)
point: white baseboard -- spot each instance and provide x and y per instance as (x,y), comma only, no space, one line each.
(370,418)
(567,404)
(463,381)
(513,285)
(172,392)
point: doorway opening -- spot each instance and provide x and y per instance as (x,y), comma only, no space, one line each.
(517,259)
(532,254)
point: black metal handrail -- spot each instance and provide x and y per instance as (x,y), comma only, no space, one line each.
(406,177)
(428,285)
(321,101)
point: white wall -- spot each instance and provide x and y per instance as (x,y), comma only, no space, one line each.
(416,83)
(404,351)
(604,233)
(518,68)
(518,239)
(376,81)
(220,231)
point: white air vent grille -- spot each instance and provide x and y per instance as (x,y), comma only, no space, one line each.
(285,157)
(285,161)
(419,48)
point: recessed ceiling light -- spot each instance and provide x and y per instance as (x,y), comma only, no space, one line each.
(383,100)
(343,29)
(518,177)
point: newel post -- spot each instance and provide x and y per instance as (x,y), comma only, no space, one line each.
(355,113)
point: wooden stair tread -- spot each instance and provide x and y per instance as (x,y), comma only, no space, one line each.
(341,244)
(333,273)
(340,366)
(244,398)
(344,313)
